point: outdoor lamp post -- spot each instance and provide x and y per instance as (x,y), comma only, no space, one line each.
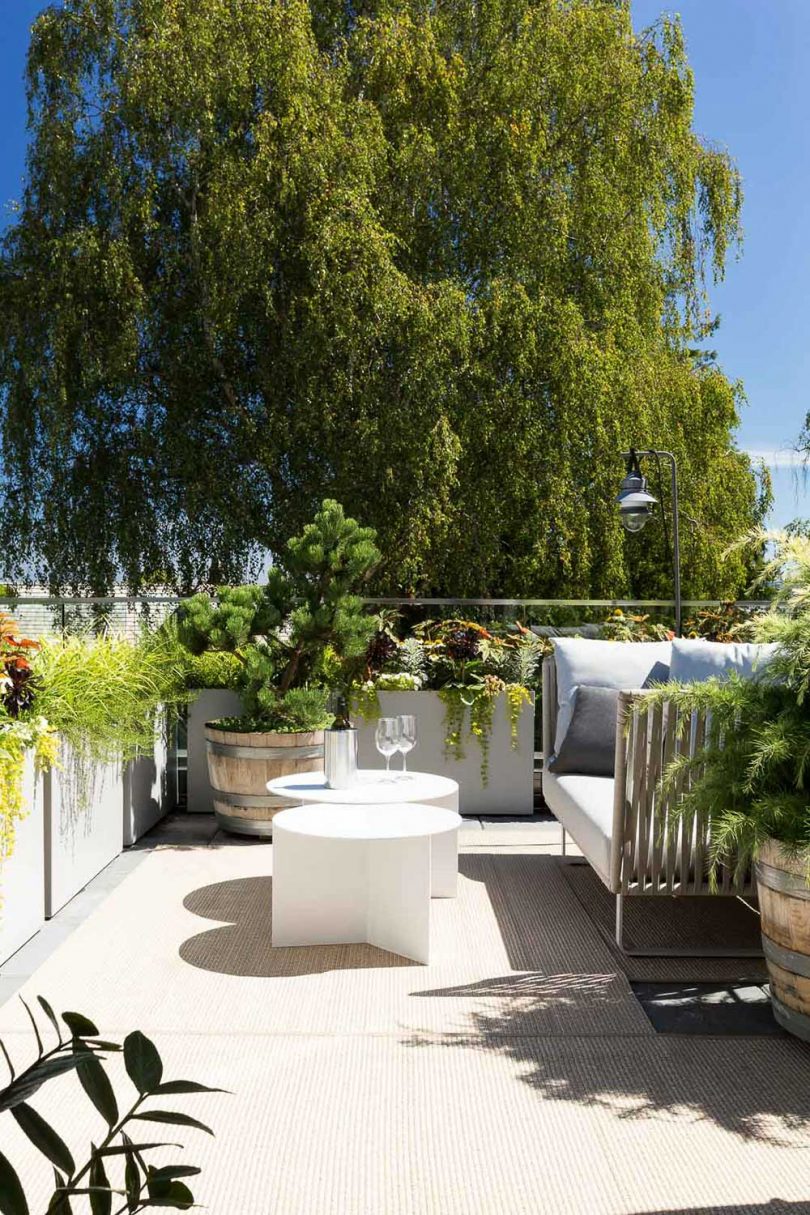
(636,504)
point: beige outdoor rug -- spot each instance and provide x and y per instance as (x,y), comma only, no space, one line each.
(516,1073)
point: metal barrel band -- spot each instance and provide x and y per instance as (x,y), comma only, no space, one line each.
(245,826)
(234,751)
(783,881)
(787,959)
(247,801)
(794,1022)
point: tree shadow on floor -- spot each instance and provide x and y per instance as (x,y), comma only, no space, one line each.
(776,1206)
(242,944)
(755,1087)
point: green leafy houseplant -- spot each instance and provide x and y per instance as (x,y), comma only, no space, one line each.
(81,1050)
(751,778)
(468,665)
(298,636)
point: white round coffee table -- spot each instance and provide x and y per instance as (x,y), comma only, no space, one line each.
(371,787)
(350,873)
(375,788)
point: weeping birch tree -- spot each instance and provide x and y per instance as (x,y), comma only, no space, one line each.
(439,260)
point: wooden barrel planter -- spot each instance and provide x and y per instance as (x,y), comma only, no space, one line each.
(240,765)
(784,903)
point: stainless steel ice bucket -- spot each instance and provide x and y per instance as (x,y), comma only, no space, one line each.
(340,758)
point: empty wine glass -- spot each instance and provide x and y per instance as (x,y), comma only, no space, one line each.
(386,739)
(407,738)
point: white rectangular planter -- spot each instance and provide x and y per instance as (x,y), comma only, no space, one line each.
(209,704)
(149,787)
(83,829)
(22,875)
(509,789)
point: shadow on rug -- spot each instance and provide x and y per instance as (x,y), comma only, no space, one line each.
(697,923)
(242,944)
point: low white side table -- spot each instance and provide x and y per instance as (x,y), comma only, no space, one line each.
(374,788)
(350,873)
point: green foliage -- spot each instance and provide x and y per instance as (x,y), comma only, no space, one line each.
(213,669)
(443,262)
(142,1186)
(300,634)
(468,665)
(751,779)
(103,694)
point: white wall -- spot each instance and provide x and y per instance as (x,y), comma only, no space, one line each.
(509,790)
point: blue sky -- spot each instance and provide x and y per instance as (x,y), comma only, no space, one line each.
(752,67)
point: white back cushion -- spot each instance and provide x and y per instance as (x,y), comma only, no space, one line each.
(601,664)
(694,661)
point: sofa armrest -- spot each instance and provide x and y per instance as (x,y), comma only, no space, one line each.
(652,851)
(549,708)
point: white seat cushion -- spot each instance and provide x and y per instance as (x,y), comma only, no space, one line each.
(584,807)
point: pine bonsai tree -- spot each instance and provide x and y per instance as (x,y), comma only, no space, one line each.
(299,636)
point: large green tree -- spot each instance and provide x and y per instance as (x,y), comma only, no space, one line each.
(439,259)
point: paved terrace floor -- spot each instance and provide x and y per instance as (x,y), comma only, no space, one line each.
(516,1073)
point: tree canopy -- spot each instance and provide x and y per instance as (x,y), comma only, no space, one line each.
(438,259)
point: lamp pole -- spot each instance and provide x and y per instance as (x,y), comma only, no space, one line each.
(632,457)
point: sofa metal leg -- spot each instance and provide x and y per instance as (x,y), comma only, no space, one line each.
(675,951)
(562,832)
(620,921)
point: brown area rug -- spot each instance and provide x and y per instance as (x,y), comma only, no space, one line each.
(668,923)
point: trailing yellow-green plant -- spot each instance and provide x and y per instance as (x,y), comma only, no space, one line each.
(16,739)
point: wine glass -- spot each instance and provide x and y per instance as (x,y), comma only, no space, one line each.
(407,739)
(386,739)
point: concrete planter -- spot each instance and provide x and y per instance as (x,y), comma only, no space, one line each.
(83,829)
(22,876)
(209,704)
(509,790)
(150,787)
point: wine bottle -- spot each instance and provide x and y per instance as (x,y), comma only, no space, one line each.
(341,721)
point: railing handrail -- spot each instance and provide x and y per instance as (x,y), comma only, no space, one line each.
(406,600)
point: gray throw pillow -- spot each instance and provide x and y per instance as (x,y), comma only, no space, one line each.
(589,746)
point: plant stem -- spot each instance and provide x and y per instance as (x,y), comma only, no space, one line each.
(106,1141)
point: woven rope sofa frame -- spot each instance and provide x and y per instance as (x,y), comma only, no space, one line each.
(651,855)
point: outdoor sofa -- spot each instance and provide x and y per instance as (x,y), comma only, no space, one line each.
(612,804)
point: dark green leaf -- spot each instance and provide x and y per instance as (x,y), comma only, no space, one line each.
(131,1173)
(44,1137)
(79,1026)
(174,1119)
(143,1063)
(31,1080)
(175,1170)
(32,1019)
(101,1044)
(59,1203)
(51,1015)
(184,1086)
(100,1192)
(96,1084)
(7,1058)
(128,1148)
(165,1193)
(12,1198)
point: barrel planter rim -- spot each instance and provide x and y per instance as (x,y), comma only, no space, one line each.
(784,899)
(241,762)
